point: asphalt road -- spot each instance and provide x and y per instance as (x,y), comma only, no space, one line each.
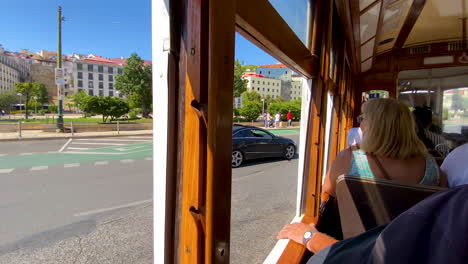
(57,190)
(54,189)
(263,201)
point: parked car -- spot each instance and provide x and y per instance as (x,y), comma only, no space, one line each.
(249,142)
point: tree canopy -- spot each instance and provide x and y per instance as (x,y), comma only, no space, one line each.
(240,85)
(251,105)
(8,98)
(136,80)
(108,107)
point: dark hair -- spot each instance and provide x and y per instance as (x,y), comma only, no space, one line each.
(423,115)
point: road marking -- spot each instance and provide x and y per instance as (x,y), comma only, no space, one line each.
(71,165)
(6,170)
(148,158)
(114,139)
(36,168)
(1,155)
(25,154)
(97,143)
(78,148)
(97,211)
(97,163)
(65,145)
(127,161)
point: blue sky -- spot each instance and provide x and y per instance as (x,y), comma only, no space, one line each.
(109,28)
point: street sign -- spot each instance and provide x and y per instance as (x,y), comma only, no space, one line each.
(59,76)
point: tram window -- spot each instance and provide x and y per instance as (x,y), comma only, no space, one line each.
(442,93)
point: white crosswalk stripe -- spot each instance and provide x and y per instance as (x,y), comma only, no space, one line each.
(97,163)
(148,158)
(25,154)
(1,155)
(127,161)
(6,170)
(78,148)
(71,165)
(36,168)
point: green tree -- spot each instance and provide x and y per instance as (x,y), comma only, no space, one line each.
(7,99)
(27,90)
(108,107)
(79,99)
(136,81)
(240,85)
(40,91)
(251,105)
(284,107)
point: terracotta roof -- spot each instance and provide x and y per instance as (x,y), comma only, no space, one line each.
(254,75)
(100,61)
(272,66)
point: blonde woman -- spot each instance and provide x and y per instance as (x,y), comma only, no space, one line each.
(390,149)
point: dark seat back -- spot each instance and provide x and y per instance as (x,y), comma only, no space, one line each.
(367,203)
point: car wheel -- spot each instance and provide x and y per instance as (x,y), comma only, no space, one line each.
(289,152)
(237,158)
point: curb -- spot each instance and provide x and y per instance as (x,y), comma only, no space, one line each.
(67,137)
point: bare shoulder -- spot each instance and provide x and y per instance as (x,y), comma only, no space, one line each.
(341,163)
(344,156)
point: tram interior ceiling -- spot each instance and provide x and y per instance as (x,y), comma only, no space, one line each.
(411,50)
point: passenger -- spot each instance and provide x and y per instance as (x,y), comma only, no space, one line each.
(426,132)
(455,166)
(390,149)
(395,151)
(433,231)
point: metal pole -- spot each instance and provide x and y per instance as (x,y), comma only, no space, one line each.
(71,127)
(59,65)
(118,127)
(19,128)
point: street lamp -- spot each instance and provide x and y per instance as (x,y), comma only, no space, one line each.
(20,94)
(35,104)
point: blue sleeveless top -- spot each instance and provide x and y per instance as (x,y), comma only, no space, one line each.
(360,167)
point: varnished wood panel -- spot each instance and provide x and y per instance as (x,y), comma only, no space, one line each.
(219,152)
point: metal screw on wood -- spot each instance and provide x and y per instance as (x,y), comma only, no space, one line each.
(192,51)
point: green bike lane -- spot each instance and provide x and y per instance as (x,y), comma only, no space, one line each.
(131,151)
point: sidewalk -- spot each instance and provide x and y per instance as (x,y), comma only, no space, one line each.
(39,134)
(119,239)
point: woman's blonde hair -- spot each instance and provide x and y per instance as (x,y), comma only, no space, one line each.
(390,130)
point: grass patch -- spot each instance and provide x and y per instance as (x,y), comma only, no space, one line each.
(81,119)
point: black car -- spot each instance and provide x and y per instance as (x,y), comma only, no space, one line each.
(250,142)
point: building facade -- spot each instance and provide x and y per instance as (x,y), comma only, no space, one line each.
(96,76)
(12,71)
(263,86)
(296,87)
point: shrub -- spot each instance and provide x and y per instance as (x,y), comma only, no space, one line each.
(42,111)
(132,114)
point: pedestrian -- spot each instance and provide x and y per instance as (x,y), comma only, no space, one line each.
(268,119)
(265,120)
(277,119)
(289,118)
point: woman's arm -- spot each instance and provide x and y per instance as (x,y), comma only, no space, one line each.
(443,182)
(340,165)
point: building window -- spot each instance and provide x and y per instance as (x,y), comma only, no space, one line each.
(110,69)
(111,86)
(80,83)
(101,77)
(119,71)
(260,72)
(101,85)
(90,67)
(101,92)
(111,93)
(268,72)
(286,72)
(258,88)
(268,89)
(263,82)
(80,75)
(79,90)
(90,76)
(79,66)
(111,78)
(90,84)
(263,88)
(100,68)
(91,92)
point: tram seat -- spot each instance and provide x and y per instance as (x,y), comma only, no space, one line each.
(367,203)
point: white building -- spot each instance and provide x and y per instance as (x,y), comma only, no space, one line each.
(96,75)
(296,87)
(12,71)
(263,86)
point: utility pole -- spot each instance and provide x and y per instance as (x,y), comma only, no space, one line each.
(59,65)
